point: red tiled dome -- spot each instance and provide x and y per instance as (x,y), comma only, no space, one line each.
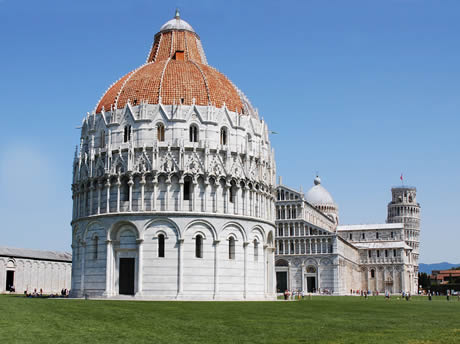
(176,71)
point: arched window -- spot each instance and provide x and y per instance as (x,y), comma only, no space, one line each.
(199,246)
(187,188)
(96,243)
(250,142)
(372,273)
(256,250)
(127,134)
(125,191)
(369,253)
(193,131)
(231,248)
(223,136)
(160,132)
(102,139)
(161,245)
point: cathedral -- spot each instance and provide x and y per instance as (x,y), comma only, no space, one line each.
(317,255)
(175,197)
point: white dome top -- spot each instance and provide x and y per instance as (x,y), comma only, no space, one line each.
(177,24)
(318,195)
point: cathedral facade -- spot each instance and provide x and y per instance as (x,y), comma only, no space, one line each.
(317,255)
(173,184)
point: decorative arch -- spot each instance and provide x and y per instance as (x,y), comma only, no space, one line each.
(160,220)
(204,223)
(281,262)
(238,227)
(258,230)
(113,231)
(311,261)
(90,226)
(11,264)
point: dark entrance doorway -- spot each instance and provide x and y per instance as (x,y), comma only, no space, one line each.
(126,280)
(311,284)
(281,281)
(9,280)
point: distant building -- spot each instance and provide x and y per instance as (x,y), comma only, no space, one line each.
(314,253)
(438,277)
(26,270)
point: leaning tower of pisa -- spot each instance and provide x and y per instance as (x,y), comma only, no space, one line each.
(404,208)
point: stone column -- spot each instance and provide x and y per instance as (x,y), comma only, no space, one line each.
(319,277)
(245,248)
(130,184)
(82,278)
(140,266)
(226,198)
(91,189)
(181,194)
(289,277)
(266,270)
(246,200)
(168,186)
(403,280)
(118,183)
(142,183)
(303,277)
(384,280)
(393,291)
(100,185)
(154,193)
(216,196)
(85,198)
(236,200)
(180,268)
(253,203)
(194,188)
(107,185)
(376,278)
(205,195)
(216,268)
(108,269)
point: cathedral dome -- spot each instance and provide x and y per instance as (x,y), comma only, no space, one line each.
(176,72)
(318,195)
(176,24)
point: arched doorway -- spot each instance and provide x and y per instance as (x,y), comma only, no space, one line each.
(311,280)
(123,262)
(10,268)
(282,275)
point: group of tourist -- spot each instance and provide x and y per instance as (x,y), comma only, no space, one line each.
(39,293)
(293,294)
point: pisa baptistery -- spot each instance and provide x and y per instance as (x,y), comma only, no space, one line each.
(173,184)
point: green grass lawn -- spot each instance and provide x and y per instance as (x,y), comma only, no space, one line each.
(319,320)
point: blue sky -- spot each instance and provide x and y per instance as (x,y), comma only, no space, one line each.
(360,91)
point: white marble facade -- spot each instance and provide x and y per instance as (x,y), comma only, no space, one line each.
(174,201)
(315,254)
(29,270)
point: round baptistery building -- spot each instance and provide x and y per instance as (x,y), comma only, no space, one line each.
(173,184)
